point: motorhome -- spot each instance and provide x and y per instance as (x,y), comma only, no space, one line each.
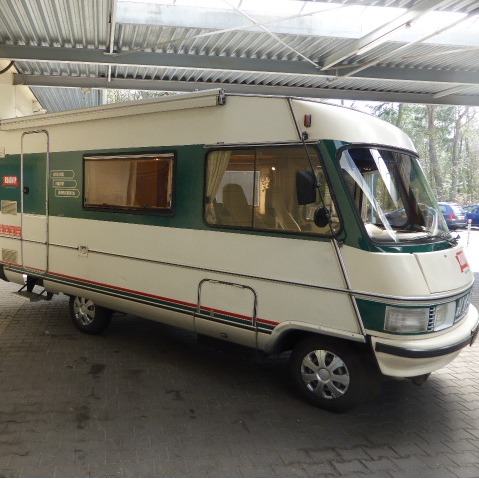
(281,224)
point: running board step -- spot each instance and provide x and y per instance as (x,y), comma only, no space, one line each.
(34,296)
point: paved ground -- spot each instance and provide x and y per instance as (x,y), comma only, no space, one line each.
(147,400)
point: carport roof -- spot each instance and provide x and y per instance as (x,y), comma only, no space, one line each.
(420,51)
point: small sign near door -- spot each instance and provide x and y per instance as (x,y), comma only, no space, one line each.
(11,181)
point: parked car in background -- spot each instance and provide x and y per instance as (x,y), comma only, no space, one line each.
(472,213)
(454,215)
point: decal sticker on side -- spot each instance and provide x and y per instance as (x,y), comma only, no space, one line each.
(8,230)
(462,260)
(11,181)
(64,184)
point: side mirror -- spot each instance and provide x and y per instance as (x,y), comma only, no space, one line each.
(306,187)
(322,217)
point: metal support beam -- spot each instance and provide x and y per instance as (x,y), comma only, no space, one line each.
(147,59)
(162,85)
(111,40)
(227,64)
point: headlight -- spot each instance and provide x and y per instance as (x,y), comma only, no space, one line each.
(406,320)
(419,320)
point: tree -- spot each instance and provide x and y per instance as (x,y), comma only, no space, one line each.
(118,96)
(433,156)
(470,162)
(447,140)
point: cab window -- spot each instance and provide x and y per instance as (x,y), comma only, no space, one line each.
(258,188)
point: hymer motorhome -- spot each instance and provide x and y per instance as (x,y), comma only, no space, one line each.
(275,223)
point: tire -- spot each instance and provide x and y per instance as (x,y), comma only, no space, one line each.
(330,374)
(87,316)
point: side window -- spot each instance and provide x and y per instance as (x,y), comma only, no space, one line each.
(257,188)
(135,183)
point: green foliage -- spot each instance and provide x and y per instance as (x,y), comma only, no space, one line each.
(118,96)
(454,135)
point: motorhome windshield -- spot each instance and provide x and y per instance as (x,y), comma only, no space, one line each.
(392,195)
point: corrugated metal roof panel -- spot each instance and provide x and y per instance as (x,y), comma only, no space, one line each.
(84,26)
(62,99)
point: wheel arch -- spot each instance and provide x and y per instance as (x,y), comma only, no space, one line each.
(284,338)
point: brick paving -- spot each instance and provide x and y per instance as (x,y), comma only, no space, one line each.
(148,400)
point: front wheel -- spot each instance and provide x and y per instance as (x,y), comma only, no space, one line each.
(330,374)
(87,316)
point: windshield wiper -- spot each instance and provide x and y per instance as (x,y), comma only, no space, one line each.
(415,238)
(446,235)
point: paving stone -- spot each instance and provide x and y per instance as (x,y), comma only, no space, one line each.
(410,463)
(290,470)
(463,471)
(381,452)
(463,458)
(324,469)
(351,468)
(380,466)
(464,445)
(354,453)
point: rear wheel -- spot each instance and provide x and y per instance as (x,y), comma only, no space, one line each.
(330,374)
(87,316)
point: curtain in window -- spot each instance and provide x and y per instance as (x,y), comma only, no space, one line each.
(107,182)
(131,193)
(217,164)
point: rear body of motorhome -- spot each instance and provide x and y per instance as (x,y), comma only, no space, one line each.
(275,223)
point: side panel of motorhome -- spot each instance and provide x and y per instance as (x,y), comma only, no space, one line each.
(173,267)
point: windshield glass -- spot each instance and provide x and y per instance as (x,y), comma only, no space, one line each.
(392,195)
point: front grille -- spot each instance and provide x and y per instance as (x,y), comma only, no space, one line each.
(432,319)
(462,306)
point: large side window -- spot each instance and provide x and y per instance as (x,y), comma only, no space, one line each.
(258,188)
(136,183)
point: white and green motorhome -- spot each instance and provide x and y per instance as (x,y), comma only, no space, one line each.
(276,223)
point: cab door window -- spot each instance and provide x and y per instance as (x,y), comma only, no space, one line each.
(257,188)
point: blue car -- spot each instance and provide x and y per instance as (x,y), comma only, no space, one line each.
(454,215)
(472,213)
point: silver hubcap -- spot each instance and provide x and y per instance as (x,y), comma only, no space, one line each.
(325,374)
(84,310)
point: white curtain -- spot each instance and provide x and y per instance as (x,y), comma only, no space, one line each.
(217,164)
(107,182)
(131,193)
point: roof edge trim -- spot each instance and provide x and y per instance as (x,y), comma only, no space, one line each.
(184,101)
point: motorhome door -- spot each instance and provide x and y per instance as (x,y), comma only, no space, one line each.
(35,166)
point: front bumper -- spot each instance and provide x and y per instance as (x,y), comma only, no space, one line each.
(414,356)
